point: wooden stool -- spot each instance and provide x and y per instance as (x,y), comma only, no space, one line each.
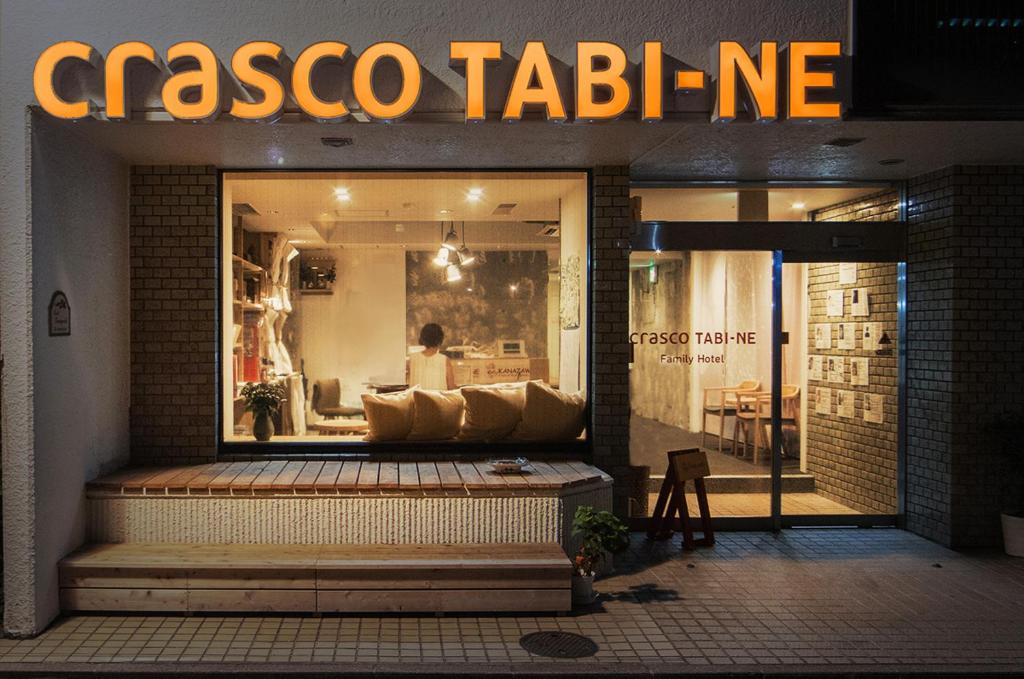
(683,465)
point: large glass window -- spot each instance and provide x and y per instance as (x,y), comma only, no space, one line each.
(340,284)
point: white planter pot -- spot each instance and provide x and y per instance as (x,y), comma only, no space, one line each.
(1013,535)
(583,590)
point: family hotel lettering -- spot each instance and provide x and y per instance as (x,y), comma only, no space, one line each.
(602,88)
(334,314)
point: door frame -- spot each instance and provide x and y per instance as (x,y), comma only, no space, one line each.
(800,242)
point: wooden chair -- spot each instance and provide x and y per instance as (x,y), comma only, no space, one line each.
(723,408)
(326,401)
(754,414)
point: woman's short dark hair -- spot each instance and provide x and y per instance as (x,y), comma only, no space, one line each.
(431,335)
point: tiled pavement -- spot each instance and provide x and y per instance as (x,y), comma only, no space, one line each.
(812,599)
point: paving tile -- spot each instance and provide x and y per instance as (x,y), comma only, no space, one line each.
(844,598)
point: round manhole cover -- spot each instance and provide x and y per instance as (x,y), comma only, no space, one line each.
(558,645)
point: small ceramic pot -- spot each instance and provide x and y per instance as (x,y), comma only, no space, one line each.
(1013,534)
(262,426)
(583,589)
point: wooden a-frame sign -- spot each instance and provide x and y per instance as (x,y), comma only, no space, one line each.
(683,466)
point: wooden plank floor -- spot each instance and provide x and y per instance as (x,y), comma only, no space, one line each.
(759,504)
(281,477)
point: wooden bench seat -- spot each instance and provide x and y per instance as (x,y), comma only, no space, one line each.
(351,478)
(510,577)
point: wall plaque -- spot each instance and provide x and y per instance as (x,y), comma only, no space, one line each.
(59,315)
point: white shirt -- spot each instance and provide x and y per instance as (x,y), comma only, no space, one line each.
(428,372)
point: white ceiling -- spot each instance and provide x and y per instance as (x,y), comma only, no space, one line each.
(402,209)
(784,204)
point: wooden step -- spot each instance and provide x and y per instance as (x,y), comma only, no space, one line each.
(526,577)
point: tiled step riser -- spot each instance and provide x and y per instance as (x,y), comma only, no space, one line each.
(340,520)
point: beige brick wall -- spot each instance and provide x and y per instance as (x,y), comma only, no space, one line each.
(855,462)
(173,314)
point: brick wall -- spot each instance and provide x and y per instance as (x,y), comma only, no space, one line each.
(173,315)
(855,462)
(965,320)
(610,345)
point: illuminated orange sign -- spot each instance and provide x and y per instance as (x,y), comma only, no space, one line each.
(768,82)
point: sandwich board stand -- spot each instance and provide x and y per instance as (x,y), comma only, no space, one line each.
(683,466)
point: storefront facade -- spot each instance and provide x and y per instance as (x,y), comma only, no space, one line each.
(754,225)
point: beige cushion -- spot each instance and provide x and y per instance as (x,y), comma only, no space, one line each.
(389,416)
(437,415)
(550,414)
(492,411)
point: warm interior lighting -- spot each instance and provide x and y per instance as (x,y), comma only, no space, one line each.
(452,274)
(342,194)
(799,205)
(474,194)
(442,256)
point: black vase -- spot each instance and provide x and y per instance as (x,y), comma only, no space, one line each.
(262,426)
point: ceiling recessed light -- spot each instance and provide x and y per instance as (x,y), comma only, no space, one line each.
(799,205)
(446,212)
(341,193)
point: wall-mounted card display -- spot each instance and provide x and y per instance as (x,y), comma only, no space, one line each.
(823,336)
(823,401)
(814,368)
(859,305)
(847,335)
(859,371)
(834,303)
(844,404)
(836,368)
(871,335)
(874,408)
(847,273)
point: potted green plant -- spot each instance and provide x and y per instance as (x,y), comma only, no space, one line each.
(600,533)
(1004,431)
(263,400)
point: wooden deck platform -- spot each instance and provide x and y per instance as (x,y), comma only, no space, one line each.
(280,477)
(317,578)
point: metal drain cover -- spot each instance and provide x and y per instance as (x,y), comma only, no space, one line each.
(558,645)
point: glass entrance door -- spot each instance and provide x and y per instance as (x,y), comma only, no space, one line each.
(700,332)
(765,328)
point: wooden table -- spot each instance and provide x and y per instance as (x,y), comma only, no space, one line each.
(340,427)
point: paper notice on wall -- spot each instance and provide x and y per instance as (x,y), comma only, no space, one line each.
(859,305)
(847,335)
(814,371)
(844,404)
(823,336)
(859,372)
(823,401)
(836,368)
(874,408)
(871,334)
(834,303)
(847,273)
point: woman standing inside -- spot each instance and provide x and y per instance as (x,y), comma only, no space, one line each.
(429,369)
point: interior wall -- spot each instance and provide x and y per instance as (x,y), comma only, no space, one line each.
(81,382)
(482,307)
(853,461)
(731,294)
(357,333)
(658,390)
(573,285)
